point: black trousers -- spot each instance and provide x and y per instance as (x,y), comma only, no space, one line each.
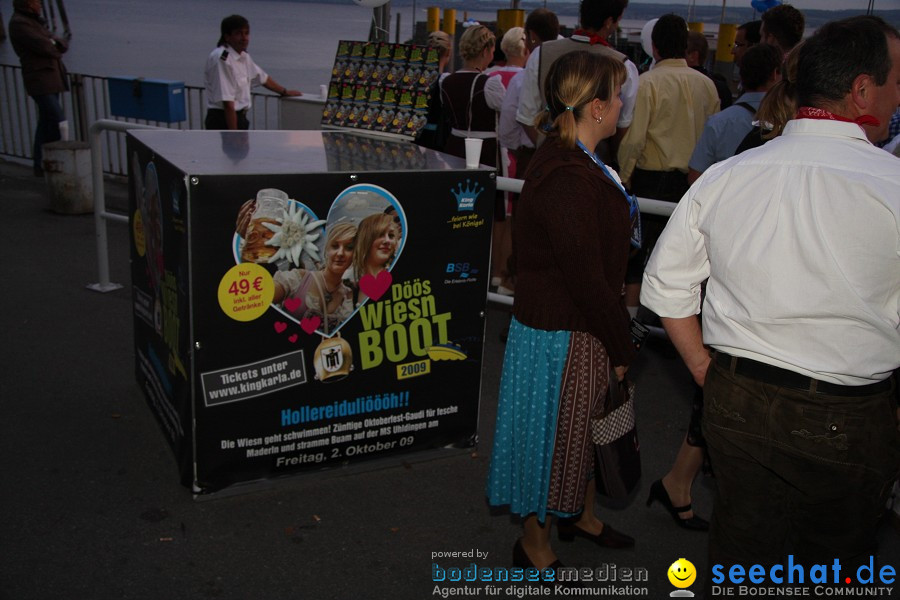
(215,119)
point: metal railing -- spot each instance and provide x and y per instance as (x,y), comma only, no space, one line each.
(87,101)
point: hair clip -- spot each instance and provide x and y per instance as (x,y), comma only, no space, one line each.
(568,108)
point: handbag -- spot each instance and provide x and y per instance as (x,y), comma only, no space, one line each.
(617,451)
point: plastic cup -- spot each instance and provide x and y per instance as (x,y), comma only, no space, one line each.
(473,152)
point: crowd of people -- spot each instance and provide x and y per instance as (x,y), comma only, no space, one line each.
(785,232)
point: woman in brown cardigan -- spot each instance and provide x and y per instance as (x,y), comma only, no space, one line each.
(569,337)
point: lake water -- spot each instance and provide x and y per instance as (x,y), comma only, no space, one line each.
(170,39)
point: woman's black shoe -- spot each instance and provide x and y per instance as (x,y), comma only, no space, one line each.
(658,493)
(520,559)
(608,537)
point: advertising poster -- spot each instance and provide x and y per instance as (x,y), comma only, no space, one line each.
(159,273)
(332,318)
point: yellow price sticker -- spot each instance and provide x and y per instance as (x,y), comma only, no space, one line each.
(246,292)
(414,369)
(137,227)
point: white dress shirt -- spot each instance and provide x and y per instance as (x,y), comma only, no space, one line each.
(531,105)
(800,239)
(510,131)
(231,79)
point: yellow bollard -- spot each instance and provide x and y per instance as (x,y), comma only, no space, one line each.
(698,27)
(434,19)
(727,33)
(449,24)
(507,18)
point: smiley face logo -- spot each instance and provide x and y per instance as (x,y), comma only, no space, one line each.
(682,573)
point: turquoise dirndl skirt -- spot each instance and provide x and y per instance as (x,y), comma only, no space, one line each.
(531,388)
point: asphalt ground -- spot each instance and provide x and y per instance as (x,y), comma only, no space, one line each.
(91,506)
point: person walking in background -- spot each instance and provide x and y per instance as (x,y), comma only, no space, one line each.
(437,128)
(725,130)
(746,36)
(798,239)
(598,20)
(541,26)
(782,27)
(673,103)
(43,72)
(569,338)
(230,73)
(471,99)
(516,52)
(697,52)
(777,107)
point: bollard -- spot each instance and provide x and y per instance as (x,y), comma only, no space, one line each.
(67,170)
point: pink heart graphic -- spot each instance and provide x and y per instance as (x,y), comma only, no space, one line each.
(292,304)
(280,326)
(310,324)
(293,338)
(375,286)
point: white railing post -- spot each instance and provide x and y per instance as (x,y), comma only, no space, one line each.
(100,213)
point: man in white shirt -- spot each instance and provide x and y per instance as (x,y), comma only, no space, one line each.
(599,19)
(230,73)
(799,241)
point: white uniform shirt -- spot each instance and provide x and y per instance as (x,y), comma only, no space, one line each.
(510,131)
(531,105)
(800,239)
(230,78)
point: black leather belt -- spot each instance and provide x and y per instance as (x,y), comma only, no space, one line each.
(790,379)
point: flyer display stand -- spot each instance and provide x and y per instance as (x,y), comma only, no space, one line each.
(381,87)
(305,299)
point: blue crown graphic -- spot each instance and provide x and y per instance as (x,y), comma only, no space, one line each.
(466,196)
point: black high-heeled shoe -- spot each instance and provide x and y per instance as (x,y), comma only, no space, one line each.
(521,559)
(658,493)
(608,537)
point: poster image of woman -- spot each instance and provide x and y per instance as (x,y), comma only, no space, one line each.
(376,242)
(304,293)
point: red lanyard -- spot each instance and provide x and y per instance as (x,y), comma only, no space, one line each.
(808,112)
(593,38)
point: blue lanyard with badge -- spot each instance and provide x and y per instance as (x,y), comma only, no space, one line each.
(634,211)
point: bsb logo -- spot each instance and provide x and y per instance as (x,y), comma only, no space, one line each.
(463,269)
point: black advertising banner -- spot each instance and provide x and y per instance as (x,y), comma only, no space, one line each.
(334,317)
(159,272)
(380,86)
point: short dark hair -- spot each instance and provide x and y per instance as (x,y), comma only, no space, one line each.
(751,31)
(670,36)
(543,23)
(758,65)
(838,53)
(230,24)
(593,13)
(786,23)
(697,43)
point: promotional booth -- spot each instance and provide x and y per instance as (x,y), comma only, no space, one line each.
(305,299)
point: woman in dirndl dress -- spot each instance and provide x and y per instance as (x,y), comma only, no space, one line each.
(569,337)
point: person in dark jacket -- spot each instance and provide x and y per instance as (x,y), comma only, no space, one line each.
(569,339)
(40,53)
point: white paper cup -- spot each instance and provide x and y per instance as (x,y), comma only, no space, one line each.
(473,152)
(323,91)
